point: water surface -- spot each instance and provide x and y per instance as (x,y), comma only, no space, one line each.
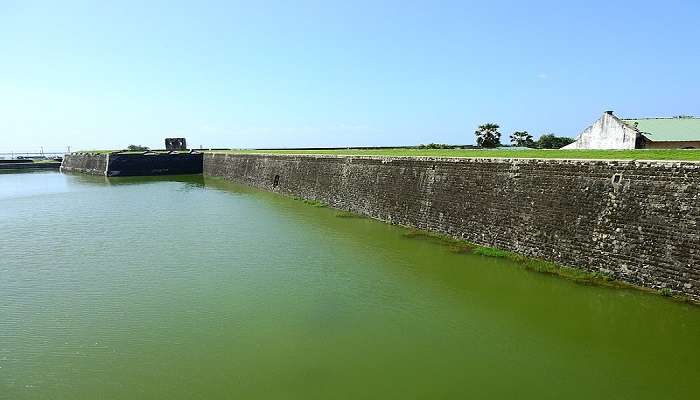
(184,287)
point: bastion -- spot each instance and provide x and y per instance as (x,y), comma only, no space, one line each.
(134,164)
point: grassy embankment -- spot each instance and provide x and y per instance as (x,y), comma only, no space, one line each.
(676,155)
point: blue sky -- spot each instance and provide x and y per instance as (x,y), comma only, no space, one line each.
(320,73)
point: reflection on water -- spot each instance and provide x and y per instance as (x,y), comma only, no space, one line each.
(190,287)
(83,179)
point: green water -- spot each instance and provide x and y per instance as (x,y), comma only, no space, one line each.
(192,288)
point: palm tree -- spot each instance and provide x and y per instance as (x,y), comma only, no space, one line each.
(488,135)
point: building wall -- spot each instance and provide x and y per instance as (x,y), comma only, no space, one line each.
(608,132)
(672,145)
(639,221)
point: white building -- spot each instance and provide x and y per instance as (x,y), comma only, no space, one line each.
(611,132)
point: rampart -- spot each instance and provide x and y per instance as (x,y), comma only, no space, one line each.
(639,221)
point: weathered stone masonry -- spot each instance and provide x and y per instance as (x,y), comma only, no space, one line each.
(93,164)
(639,221)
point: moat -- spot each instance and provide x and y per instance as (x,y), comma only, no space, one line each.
(190,287)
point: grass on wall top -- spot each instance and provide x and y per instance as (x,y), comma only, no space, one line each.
(655,154)
(676,155)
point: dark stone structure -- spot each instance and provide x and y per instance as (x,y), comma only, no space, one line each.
(29,164)
(175,144)
(639,221)
(117,164)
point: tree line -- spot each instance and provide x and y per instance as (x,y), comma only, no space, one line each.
(489,136)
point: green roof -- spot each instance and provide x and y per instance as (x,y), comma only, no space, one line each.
(675,129)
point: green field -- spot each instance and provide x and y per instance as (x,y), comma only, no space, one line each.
(680,155)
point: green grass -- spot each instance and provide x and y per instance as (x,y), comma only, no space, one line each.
(312,203)
(679,155)
(315,203)
(100,151)
(347,214)
(454,245)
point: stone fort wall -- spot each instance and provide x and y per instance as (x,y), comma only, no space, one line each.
(639,221)
(115,164)
(87,163)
